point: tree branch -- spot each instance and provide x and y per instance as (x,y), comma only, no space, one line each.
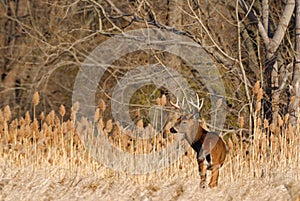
(282,26)
(253,16)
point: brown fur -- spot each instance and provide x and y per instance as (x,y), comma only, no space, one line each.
(210,148)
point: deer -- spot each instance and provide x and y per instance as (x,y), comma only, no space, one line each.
(209,146)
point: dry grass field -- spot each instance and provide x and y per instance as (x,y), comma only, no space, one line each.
(42,158)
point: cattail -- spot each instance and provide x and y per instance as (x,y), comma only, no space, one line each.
(62,110)
(158,101)
(286,118)
(140,124)
(259,95)
(266,123)
(50,118)
(290,131)
(241,122)
(163,100)
(117,128)
(280,121)
(277,131)
(272,127)
(258,106)
(36,99)
(42,116)
(230,144)
(101,105)
(100,124)
(256,87)
(74,110)
(97,115)
(22,122)
(1,116)
(35,126)
(14,123)
(109,126)
(7,113)
(293,98)
(75,107)
(27,118)
(273,138)
(57,122)
(258,122)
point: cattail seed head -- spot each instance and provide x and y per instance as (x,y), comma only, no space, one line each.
(293,98)
(256,87)
(35,126)
(50,118)
(100,124)
(27,118)
(109,126)
(277,131)
(74,110)
(230,144)
(36,99)
(258,122)
(140,124)
(102,105)
(286,118)
(1,116)
(258,106)
(266,123)
(158,101)
(75,107)
(259,95)
(241,122)
(7,113)
(62,110)
(280,121)
(163,100)
(42,116)
(97,115)
(272,127)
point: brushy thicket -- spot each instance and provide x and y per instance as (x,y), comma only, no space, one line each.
(52,140)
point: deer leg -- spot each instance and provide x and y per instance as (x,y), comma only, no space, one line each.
(202,172)
(214,176)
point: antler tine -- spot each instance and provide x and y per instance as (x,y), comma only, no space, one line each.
(198,106)
(176,105)
(182,102)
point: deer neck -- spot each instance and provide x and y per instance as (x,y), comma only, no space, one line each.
(196,135)
(199,139)
(201,133)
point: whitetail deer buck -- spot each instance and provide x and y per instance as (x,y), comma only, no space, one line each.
(210,148)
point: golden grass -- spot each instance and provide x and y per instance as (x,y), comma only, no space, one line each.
(51,144)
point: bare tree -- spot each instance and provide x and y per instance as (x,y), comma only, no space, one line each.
(272,41)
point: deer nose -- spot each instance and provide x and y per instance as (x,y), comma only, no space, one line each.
(173,130)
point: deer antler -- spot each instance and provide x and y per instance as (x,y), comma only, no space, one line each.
(198,106)
(176,105)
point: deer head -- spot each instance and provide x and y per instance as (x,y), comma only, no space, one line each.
(187,124)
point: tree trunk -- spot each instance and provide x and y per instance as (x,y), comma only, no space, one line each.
(294,104)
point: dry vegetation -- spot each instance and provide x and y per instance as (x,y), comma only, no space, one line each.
(42,158)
